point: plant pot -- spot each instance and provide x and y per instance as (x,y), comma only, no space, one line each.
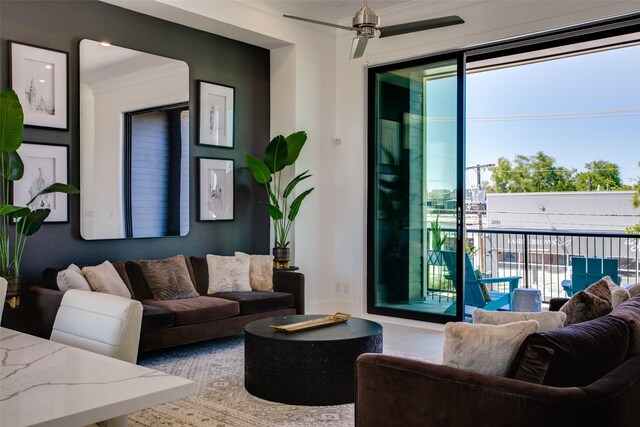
(281,257)
(14,291)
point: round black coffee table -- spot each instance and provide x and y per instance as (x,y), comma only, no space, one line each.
(313,367)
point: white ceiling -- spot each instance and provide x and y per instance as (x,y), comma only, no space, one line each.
(331,10)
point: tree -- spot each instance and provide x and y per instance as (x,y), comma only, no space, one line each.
(602,174)
(536,173)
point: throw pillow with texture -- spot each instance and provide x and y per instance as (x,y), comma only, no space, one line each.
(260,272)
(104,278)
(487,349)
(228,273)
(618,294)
(633,290)
(168,278)
(72,278)
(547,320)
(593,302)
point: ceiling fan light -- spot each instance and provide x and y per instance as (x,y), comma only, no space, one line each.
(358,45)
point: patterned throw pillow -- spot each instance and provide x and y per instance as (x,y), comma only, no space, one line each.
(168,279)
(104,278)
(593,302)
(228,273)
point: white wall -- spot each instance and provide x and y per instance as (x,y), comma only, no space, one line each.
(316,88)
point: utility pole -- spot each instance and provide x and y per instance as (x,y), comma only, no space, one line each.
(478,169)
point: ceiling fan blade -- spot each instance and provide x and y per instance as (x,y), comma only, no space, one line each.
(358,45)
(313,21)
(427,24)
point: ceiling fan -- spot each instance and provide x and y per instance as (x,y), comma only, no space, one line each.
(366,21)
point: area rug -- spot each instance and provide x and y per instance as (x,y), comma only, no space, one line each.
(221,400)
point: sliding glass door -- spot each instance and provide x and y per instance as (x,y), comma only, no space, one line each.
(415,188)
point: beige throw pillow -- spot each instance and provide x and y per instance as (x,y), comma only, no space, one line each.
(104,278)
(547,320)
(72,278)
(486,349)
(168,279)
(634,290)
(228,273)
(593,302)
(260,272)
(618,294)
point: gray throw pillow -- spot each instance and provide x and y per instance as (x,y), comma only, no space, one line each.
(105,278)
(168,279)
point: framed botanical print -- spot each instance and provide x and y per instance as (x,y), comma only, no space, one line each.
(216,115)
(216,189)
(44,164)
(39,77)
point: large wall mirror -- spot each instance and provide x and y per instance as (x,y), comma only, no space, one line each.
(134,143)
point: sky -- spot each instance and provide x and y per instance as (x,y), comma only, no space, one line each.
(576,109)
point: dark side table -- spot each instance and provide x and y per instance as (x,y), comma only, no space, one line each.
(314,367)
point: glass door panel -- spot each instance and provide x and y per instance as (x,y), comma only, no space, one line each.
(415,186)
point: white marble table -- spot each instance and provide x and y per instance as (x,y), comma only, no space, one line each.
(46,383)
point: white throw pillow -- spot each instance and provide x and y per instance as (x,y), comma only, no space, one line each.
(228,273)
(486,349)
(104,278)
(547,320)
(72,278)
(618,294)
(260,272)
(633,290)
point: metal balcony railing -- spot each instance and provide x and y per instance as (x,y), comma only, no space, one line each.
(543,258)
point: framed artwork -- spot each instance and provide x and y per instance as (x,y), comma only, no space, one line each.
(216,115)
(40,79)
(215,194)
(44,164)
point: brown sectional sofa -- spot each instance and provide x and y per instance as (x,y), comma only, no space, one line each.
(181,321)
(394,391)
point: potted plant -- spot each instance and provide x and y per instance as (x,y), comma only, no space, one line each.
(27,220)
(280,153)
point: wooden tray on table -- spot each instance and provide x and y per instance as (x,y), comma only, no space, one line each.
(313,324)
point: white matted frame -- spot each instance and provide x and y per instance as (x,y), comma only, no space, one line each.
(215,193)
(39,77)
(44,164)
(216,115)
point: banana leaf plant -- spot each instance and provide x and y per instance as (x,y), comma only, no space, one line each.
(280,153)
(27,220)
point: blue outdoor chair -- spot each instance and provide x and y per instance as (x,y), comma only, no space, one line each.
(586,271)
(473,294)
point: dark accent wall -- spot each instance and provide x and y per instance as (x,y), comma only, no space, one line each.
(61,25)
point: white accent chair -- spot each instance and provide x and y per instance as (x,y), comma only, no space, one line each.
(3,294)
(101,323)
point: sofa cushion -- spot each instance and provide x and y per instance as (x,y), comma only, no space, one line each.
(260,272)
(168,278)
(105,278)
(629,311)
(139,284)
(72,278)
(633,290)
(487,349)
(547,320)
(228,273)
(573,356)
(593,302)
(198,309)
(200,273)
(154,317)
(258,301)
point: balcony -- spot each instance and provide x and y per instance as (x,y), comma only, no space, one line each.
(542,258)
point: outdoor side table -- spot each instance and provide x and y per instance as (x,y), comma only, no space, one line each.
(526,299)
